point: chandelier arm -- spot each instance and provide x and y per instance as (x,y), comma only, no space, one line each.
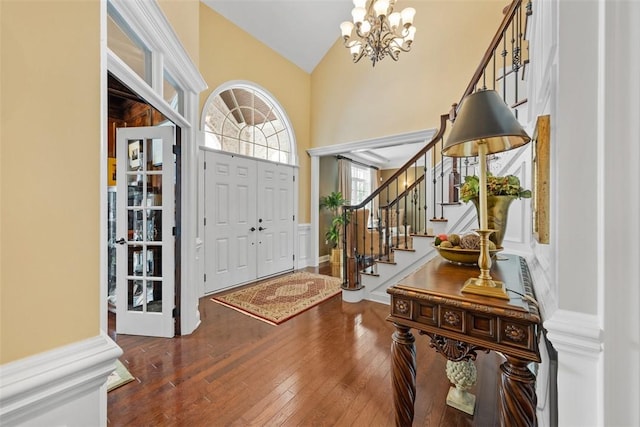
(358,57)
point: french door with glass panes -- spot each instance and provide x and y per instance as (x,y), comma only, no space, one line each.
(145,220)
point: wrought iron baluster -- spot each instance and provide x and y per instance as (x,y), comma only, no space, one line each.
(441,181)
(504,64)
(424,185)
(433,168)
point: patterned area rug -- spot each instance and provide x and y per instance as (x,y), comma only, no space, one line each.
(279,299)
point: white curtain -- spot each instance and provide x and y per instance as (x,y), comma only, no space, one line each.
(374,185)
(344,178)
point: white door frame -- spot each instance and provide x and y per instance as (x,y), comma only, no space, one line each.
(149,24)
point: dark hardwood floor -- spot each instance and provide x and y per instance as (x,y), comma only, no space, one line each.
(329,366)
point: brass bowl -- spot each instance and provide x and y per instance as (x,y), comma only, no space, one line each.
(463,256)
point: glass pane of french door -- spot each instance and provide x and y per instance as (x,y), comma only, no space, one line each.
(144,219)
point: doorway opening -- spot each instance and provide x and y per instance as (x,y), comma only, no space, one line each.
(126,109)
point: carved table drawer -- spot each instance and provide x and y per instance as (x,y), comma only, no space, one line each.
(516,334)
(427,313)
(452,319)
(402,307)
(481,326)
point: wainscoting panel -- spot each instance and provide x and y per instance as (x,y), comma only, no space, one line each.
(303,254)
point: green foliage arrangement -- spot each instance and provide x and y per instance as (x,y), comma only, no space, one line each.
(508,185)
(333,202)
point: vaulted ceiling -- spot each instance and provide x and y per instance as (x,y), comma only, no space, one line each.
(300,30)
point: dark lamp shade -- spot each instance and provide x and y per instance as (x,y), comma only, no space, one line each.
(484,118)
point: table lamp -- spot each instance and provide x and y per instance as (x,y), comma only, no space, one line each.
(484,125)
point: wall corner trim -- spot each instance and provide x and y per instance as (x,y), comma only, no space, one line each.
(575,332)
(32,386)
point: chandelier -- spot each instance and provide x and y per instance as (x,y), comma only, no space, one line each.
(377,31)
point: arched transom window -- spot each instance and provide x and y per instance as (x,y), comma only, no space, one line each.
(245,119)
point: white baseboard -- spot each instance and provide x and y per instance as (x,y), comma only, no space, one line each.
(324,258)
(63,386)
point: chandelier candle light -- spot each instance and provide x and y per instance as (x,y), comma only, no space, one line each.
(484,125)
(377,31)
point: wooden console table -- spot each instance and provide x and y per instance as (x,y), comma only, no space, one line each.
(459,325)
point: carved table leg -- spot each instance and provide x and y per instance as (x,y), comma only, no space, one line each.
(517,394)
(403,364)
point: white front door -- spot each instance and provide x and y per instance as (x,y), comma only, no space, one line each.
(230,229)
(145,211)
(275,218)
(249,223)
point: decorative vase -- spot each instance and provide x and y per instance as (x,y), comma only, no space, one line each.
(497,215)
(336,256)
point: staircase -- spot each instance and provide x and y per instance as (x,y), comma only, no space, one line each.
(422,195)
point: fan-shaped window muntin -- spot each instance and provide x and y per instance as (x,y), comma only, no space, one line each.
(246,120)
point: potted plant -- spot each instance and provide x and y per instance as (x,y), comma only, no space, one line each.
(333,203)
(501,191)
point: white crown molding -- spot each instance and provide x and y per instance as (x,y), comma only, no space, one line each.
(424,135)
(574,332)
(31,386)
(153,29)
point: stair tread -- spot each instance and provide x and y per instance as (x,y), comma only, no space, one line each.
(423,235)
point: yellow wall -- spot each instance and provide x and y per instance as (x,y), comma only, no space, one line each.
(353,102)
(183,17)
(50,180)
(229,53)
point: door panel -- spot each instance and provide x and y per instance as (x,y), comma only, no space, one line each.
(145,207)
(230,215)
(275,208)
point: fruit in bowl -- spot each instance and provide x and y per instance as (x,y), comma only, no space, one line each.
(463,249)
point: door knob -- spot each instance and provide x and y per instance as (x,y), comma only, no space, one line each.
(252,229)
(121,241)
(262,228)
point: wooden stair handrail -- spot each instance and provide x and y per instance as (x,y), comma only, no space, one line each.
(506,21)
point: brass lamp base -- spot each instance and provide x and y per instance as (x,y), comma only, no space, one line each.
(484,284)
(486,287)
